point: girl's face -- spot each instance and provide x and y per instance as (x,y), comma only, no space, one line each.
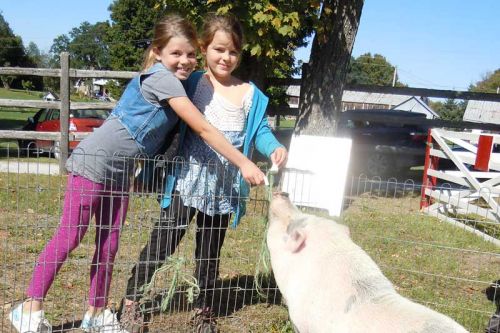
(221,56)
(179,56)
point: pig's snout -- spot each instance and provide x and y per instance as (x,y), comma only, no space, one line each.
(281,208)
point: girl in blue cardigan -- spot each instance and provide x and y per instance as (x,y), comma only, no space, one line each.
(207,184)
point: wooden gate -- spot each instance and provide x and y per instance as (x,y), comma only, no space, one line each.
(468,182)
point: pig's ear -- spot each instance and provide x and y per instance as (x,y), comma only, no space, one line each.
(296,240)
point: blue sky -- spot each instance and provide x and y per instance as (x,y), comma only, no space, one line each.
(441,44)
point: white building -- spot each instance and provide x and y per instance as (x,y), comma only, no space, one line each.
(482,112)
(369,100)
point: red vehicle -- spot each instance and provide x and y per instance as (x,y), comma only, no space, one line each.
(47,120)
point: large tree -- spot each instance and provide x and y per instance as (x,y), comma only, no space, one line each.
(489,84)
(323,82)
(372,70)
(450,109)
(12,51)
(88,45)
(37,57)
(131,31)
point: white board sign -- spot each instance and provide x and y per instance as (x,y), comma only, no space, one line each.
(316,172)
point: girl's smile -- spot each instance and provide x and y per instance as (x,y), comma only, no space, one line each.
(179,56)
(221,55)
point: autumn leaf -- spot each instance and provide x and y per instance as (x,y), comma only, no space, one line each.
(256,50)
(276,22)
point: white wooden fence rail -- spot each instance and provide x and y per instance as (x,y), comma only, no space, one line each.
(470,191)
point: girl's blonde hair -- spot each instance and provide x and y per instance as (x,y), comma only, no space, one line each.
(227,23)
(170,26)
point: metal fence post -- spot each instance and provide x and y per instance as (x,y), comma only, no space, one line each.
(64,115)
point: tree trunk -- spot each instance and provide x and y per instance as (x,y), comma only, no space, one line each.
(323,79)
(5,81)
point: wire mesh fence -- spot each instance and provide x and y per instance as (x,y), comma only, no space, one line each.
(440,265)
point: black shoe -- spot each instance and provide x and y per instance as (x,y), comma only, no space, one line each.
(204,321)
(132,318)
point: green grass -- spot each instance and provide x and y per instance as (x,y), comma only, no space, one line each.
(286,123)
(20,94)
(36,95)
(12,118)
(15,118)
(429,261)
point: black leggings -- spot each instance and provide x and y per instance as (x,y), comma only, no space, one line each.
(166,236)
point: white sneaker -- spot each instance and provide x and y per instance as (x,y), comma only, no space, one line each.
(30,322)
(105,321)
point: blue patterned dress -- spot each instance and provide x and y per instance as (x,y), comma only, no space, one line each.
(207,181)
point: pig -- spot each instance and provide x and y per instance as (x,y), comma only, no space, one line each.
(331,285)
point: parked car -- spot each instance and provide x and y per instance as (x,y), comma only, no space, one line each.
(384,142)
(388,146)
(47,120)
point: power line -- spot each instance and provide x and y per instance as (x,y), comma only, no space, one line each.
(366,62)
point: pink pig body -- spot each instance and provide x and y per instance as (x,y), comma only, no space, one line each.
(331,285)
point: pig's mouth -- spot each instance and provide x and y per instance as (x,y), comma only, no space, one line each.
(280,206)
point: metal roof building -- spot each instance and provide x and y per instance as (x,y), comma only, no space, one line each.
(482,112)
(369,100)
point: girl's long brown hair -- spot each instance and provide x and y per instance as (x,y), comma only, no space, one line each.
(170,26)
(226,23)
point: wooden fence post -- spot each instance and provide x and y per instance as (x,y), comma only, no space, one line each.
(64,114)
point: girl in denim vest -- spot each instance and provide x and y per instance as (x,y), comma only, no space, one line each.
(101,166)
(207,185)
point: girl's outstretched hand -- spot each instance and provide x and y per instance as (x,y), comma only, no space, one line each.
(252,174)
(279,157)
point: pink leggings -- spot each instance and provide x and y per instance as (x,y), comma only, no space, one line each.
(83,199)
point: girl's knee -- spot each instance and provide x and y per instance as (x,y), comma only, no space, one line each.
(107,253)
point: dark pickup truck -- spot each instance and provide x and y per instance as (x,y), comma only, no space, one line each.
(385,143)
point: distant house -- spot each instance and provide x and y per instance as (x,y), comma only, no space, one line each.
(482,112)
(50,96)
(415,104)
(98,87)
(367,100)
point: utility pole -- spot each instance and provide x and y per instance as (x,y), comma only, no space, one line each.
(394,76)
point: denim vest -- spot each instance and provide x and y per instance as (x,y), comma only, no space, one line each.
(148,124)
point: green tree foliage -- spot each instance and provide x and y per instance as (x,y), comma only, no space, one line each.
(373,70)
(131,31)
(87,44)
(489,84)
(28,86)
(450,109)
(12,51)
(12,54)
(38,58)
(454,110)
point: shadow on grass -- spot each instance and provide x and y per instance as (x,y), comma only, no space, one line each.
(230,296)
(67,327)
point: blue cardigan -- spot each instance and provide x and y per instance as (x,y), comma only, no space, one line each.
(258,133)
